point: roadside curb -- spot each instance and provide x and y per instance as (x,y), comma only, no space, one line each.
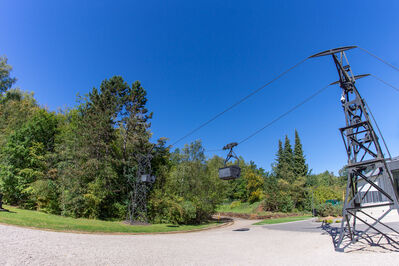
(122,233)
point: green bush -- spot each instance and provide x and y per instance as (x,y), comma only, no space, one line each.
(278,202)
(327,209)
(323,193)
(235,204)
(165,209)
(191,191)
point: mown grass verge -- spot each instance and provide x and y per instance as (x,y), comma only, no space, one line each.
(40,220)
(283,220)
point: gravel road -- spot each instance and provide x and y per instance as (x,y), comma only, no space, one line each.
(260,245)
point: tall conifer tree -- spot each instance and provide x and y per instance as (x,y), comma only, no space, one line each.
(279,159)
(287,161)
(288,155)
(300,166)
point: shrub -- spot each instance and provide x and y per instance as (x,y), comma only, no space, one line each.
(235,204)
(280,202)
(191,190)
(165,209)
(254,187)
(323,193)
(327,209)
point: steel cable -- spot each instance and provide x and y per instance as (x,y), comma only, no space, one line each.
(298,105)
(285,114)
(371,113)
(279,117)
(239,102)
(378,128)
(379,58)
(386,83)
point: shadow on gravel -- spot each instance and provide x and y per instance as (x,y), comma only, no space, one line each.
(241,229)
(365,241)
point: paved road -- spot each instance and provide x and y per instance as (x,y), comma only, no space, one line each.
(311,226)
(308,226)
(298,243)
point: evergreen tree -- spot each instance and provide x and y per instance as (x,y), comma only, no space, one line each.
(279,160)
(288,155)
(110,128)
(287,167)
(300,166)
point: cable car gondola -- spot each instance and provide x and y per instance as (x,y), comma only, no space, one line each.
(233,171)
(147,178)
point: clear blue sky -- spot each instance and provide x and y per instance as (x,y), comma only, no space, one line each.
(197,57)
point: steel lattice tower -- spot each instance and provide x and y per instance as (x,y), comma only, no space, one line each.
(140,185)
(367,168)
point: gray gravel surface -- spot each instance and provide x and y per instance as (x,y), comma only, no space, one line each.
(260,245)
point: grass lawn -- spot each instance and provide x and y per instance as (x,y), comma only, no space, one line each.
(42,220)
(283,220)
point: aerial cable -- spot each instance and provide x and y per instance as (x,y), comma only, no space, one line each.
(379,131)
(285,114)
(239,102)
(375,122)
(386,83)
(270,82)
(306,100)
(213,150)
(379,58)
(279,117)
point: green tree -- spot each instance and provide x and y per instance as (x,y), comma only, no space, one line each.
(279,161)
(324,193)
(16,108)
(25,161)
(6,81)
(102,137)
(277,195)
(300,166)
(288,191)
(255,184)
(287,162)
(191,192)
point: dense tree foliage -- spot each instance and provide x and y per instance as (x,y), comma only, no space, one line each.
(192,191)
(6,81)
(291,186)
(80,162)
